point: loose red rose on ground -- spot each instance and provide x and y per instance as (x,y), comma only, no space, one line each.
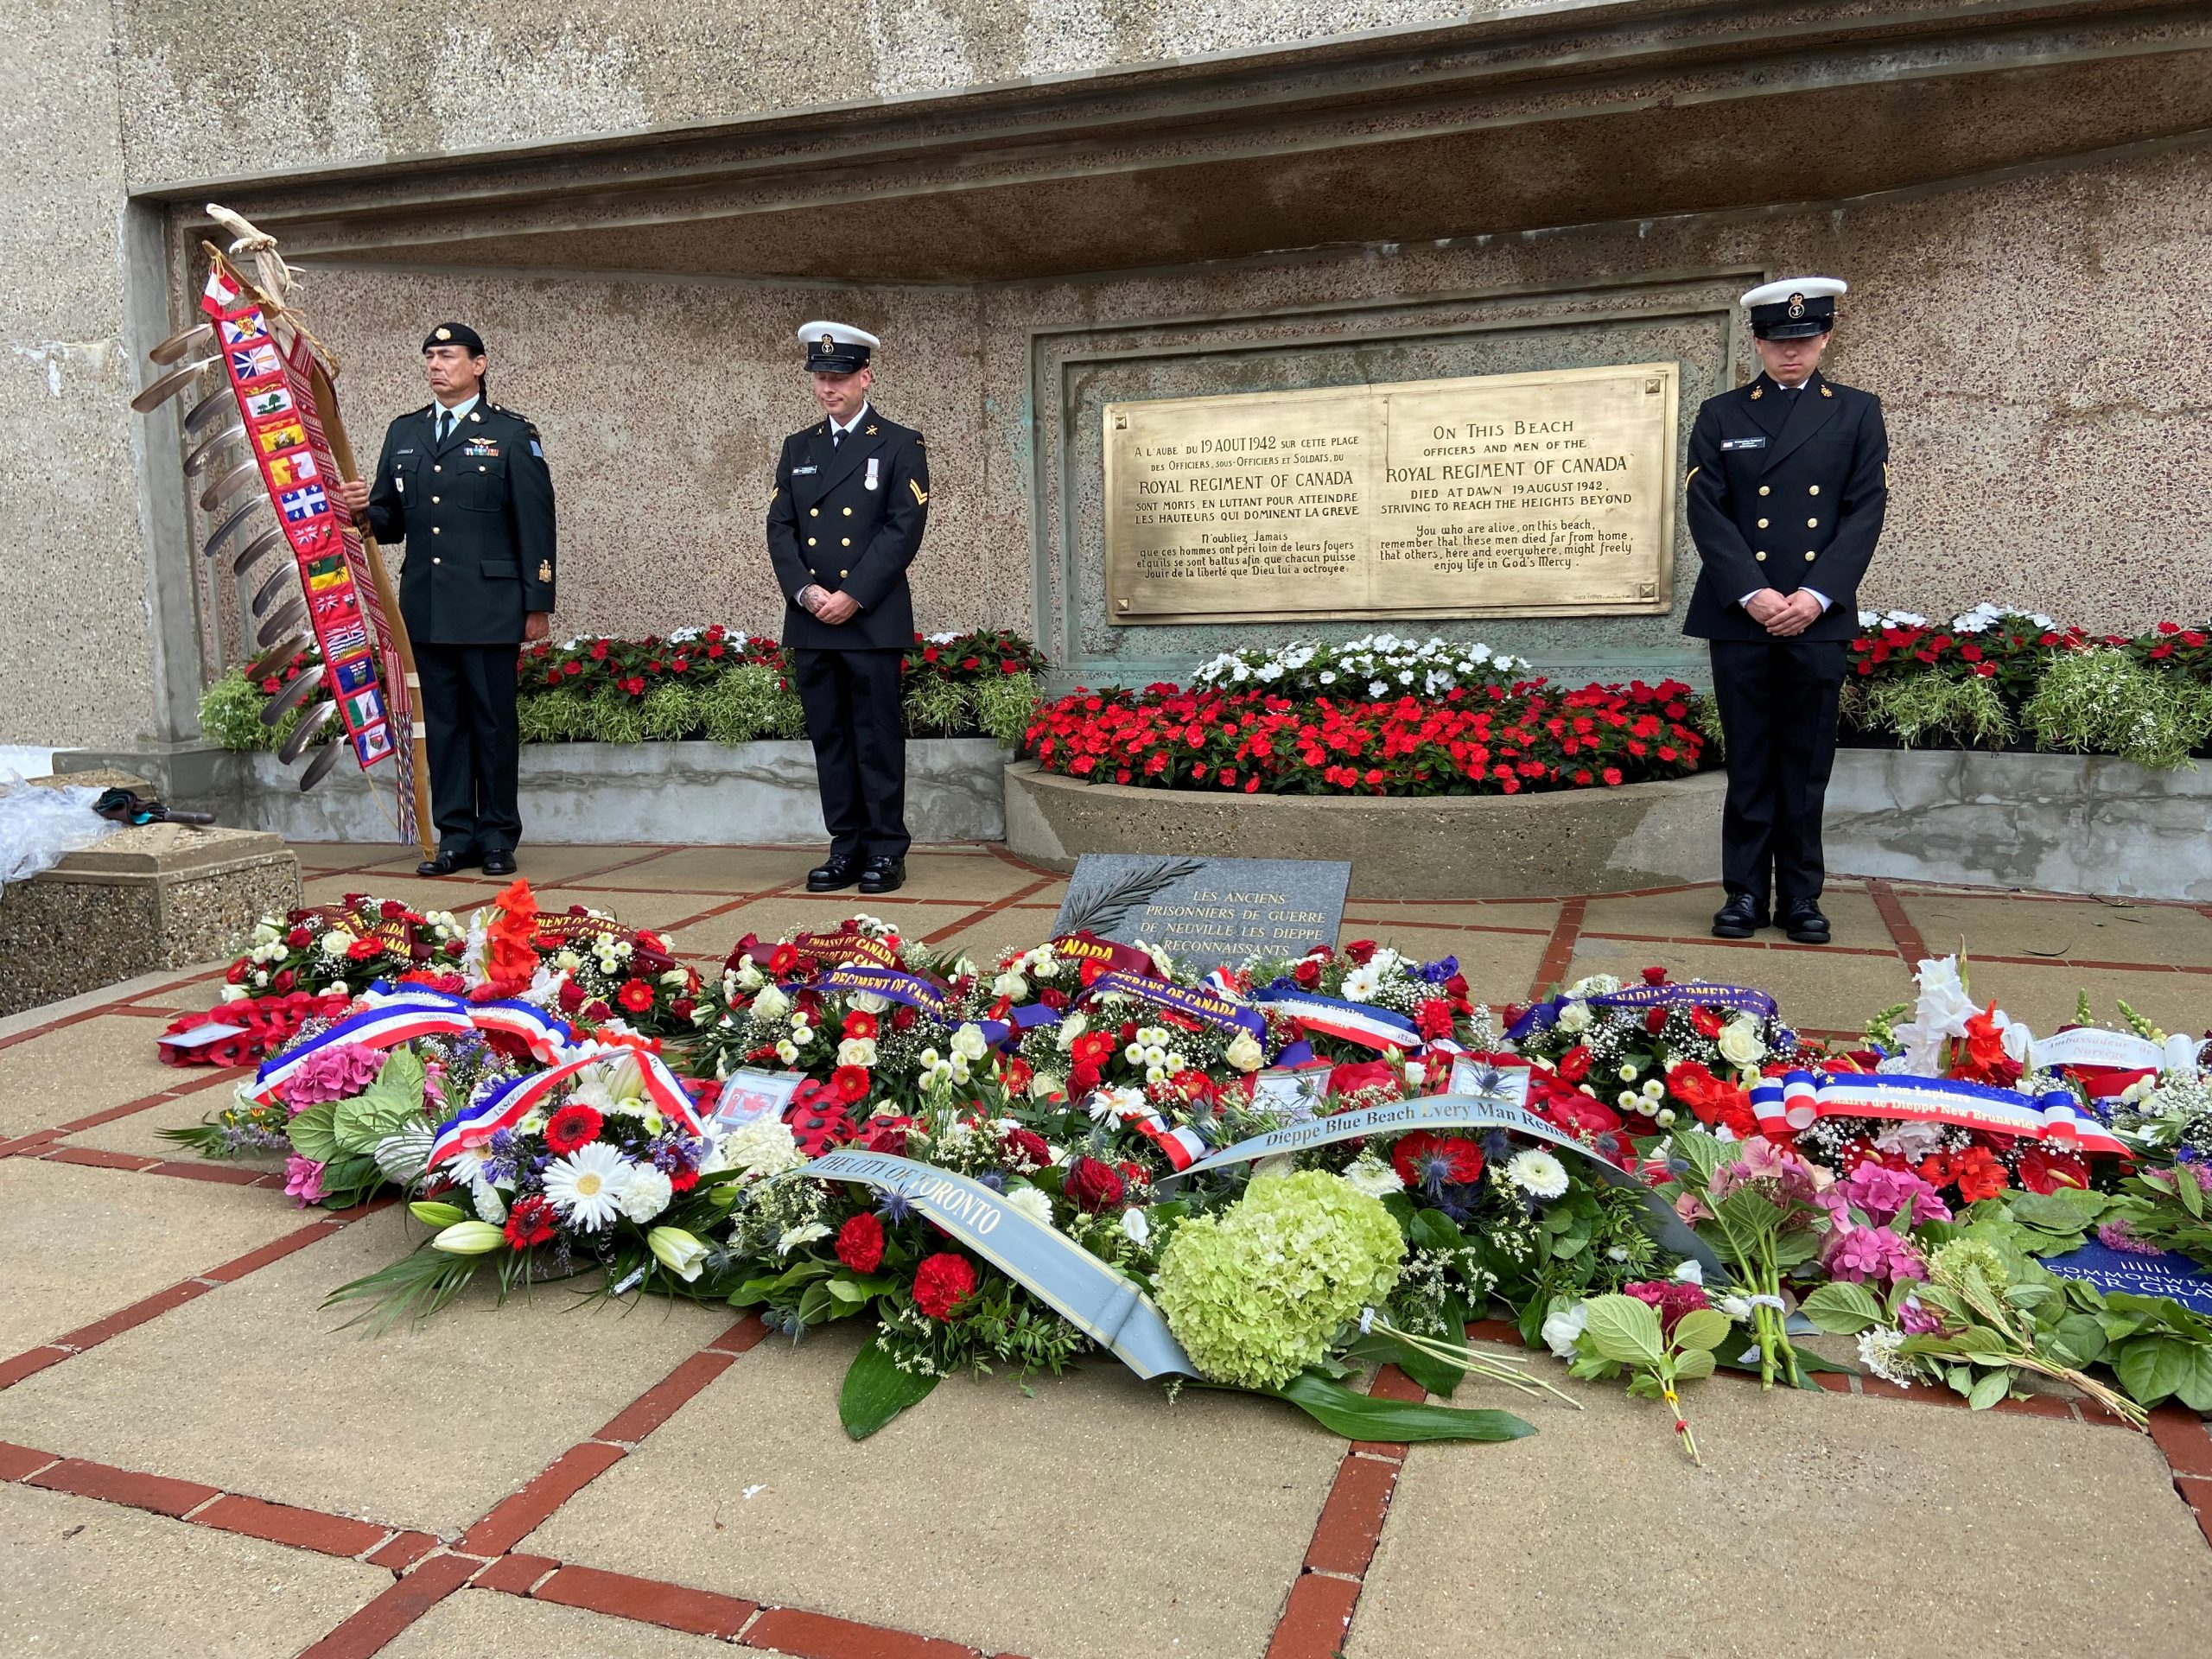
(1091,1185)
(1422,1158)
(1655,976)
(531,1222)
(860,1243)
(941,1282)
(574,1125)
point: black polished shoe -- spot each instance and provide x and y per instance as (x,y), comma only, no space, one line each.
(837,871)
(1802,921)
(499,861)
(446,863)
(1740,918)
(883,876)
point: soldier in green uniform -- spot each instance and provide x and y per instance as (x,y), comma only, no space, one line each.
(1788,480)
(463,484)
(845,520)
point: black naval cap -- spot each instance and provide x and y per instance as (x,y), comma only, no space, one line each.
(455,334)
(1794,308)
(836,347)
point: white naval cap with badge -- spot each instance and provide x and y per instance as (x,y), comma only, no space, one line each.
(1796,307)
(836,347)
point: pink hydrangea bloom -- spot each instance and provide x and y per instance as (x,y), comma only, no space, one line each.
(1881,1194)
(1915,1320)
(1871,1255)
(339,1073)
(303,1179)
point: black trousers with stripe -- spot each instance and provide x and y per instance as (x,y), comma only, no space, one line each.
(1777,701)
(852,700)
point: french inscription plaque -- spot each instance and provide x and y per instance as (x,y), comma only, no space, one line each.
(1207,911)
(1548,494)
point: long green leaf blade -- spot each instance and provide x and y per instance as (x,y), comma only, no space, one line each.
(1362,1417)
(875,1390)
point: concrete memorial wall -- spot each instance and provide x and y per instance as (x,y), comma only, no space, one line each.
(635,209)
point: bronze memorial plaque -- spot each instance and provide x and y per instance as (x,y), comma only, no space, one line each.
(1548,494)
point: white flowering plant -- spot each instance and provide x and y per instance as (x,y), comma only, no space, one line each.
(1371,669)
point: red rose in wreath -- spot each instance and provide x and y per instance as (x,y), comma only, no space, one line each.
(1092,1185)
(860,1243)
(574,1125)
(941,1282)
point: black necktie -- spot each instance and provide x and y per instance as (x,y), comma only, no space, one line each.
(836,437)
(445,424)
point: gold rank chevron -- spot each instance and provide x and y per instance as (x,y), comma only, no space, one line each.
(921,495)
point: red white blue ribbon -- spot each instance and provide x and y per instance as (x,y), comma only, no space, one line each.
(1794,1100)
(1348,1022)
(402,1019)
(508,1105)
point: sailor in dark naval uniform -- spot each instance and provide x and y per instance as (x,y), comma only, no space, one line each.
(845,520)
(1788,481)
(464,484)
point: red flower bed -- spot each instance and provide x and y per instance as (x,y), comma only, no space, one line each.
(1486,740)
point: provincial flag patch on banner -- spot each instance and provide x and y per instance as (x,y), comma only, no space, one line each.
(344,642)
(254,363)
(372,743)
(339,605)
(298,468)
(244,331)
(331,581)
(286,435)
(307,503)
(364,707)
(353,673)
(275,401)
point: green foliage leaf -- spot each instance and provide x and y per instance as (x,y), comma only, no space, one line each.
(1701,1329)
(2077,1340)
(1362,1417)
(1437,1375)
(1696,1363)
(2069,1210)
(1703,1153)
(1990,1389)
(311,1132)
(2153,1367)
(1841,1308)
(875,1390)
(1625,1331)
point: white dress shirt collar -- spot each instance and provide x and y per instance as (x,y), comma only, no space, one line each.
(846,430)
(459,411)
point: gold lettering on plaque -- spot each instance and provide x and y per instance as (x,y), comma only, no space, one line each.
(1542,494)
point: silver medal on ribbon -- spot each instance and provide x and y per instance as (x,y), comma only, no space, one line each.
(870,480)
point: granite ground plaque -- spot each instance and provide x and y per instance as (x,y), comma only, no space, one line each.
(1206,912)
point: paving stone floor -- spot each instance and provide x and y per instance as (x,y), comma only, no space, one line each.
(193,1460)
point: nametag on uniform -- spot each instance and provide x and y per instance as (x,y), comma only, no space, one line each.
(1743,444)
(801,472)
(869,481)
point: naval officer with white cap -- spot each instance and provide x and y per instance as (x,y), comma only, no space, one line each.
(846,519)
(1787,486)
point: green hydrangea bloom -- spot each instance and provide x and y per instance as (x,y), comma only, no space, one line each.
(1255,1294)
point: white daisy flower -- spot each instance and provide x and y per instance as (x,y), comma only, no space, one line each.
(1537,1174)
(586,1187)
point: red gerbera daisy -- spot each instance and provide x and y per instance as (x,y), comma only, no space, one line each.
(635,995)
(851,1082)
(859,1023)
(531,1222)
(574,1125)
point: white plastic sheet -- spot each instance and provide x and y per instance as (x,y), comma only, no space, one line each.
(38,825)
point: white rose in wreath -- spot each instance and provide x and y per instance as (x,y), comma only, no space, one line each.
(770,1004)
(856,1050)
(1574,1017)
(969,1043)
(1739,1043)
(1244,1052)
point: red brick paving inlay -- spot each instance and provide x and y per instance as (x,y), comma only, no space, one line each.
(818,1636)
(281,1523)
(392,1611)
(515,1518)
(704,1613)
(1559,954)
